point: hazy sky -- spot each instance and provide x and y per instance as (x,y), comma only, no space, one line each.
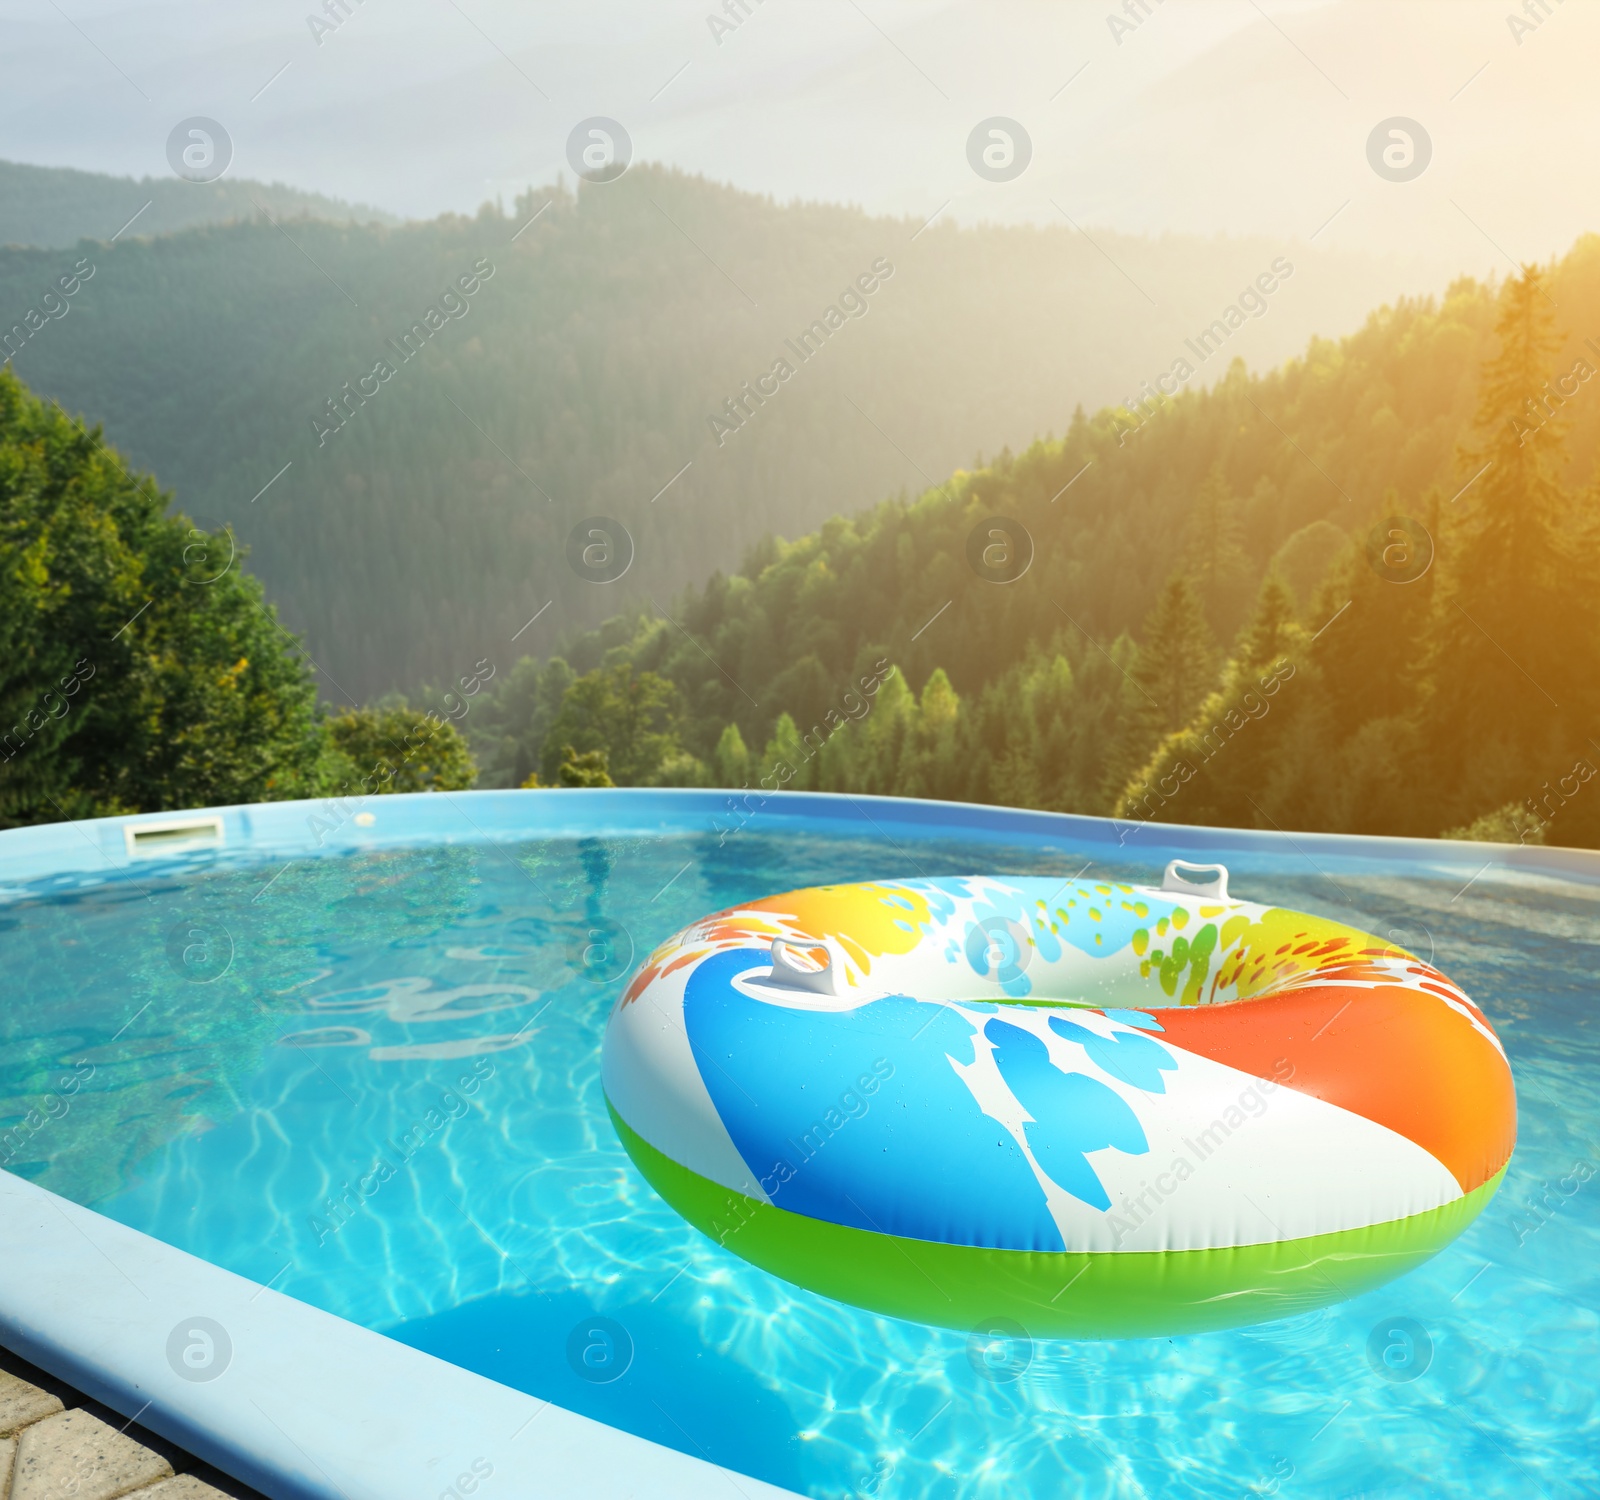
(1203,117)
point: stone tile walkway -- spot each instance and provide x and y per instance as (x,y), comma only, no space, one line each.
(47,1452)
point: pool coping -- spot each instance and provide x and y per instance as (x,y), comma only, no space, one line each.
(313,1407)
(307,1405)
(342,826)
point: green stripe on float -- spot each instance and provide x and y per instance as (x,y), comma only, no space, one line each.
(1133,1294)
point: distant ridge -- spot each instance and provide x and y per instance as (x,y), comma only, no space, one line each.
(55,207)
(613,356)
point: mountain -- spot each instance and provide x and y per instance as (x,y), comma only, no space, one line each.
(1395,538)
(412,522)
(55,207)
(1234,118)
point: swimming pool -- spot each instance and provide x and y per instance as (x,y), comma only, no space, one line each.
(356,1058)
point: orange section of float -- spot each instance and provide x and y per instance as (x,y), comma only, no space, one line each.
(1400,1057)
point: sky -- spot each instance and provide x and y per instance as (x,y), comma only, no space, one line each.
(1149,116)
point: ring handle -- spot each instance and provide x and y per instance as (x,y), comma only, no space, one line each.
(1175,879)
(787,972)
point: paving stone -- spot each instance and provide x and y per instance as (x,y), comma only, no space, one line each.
(21,1403)
(184,1487)
(8,1451)
(74,1454)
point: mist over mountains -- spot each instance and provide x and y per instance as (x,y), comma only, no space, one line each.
(405,525)
(57,206)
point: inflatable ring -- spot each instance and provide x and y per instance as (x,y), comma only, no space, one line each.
(1098,1110)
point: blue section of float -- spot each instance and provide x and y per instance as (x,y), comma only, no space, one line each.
(1127,1055)
(1070,1114)
(913,1157)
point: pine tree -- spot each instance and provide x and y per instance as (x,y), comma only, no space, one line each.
(1227,764)
(1270,633)
(1512,541)
(1176,663)
(731,760)
(788,763)
(929,767)
(1512,667)
(1213,546)
(886,729)
(1171,672)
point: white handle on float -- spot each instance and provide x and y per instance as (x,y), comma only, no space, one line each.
(787,972)
(1175,880)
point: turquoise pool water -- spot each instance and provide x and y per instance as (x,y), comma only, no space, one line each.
(371,1079)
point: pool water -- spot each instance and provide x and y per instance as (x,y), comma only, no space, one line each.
(372,1081)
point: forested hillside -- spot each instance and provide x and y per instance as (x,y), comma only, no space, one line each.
(140,666)
(58,206)
(1358,593)
(583,375)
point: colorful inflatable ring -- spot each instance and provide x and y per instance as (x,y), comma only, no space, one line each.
(1097,1110)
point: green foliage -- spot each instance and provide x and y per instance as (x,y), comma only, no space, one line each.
(1510,824)
(1176,659)
(590,363)
(786,749)
(1371,706)
(509,724)
(588,769)
(1432,703)
(1109,513)
(1304,560)
(631,716)
(1218,759)
(140,667)
(731,760)
(1511,661)
(396,749)
(1173,669)
(1215,551)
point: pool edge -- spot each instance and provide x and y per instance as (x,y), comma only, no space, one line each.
(286,830)
(308,1406)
